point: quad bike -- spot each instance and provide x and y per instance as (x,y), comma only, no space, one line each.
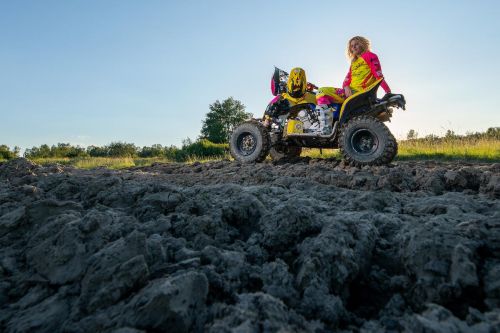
(356,127)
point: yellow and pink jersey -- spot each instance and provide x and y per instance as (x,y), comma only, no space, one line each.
(364,71)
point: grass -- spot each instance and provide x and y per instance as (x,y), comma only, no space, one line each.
(455,149)
(440,149)
(116,162)
(193,159)
(88,162)
(323,153)
(466,149)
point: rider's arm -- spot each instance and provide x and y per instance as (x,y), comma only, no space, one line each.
(347,80)
(278,105)
(376,69)
(346,84)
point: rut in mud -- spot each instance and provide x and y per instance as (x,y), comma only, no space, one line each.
(306,245)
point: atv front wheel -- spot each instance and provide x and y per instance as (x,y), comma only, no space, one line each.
(365,140)
(279,152)
(250,142)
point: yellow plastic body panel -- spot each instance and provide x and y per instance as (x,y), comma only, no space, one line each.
(354,96)
(294,127)
(307,98)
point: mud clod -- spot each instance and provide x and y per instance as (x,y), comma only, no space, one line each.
(296,246)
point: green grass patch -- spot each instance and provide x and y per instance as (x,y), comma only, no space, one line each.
(119,162)
(320,153)
(108,162)
(204,159)
(440,149)
(96,162)
(487,150)
(53,160)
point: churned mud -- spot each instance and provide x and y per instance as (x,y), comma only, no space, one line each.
(298,246)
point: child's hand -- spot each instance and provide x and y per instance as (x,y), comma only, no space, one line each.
(347,91)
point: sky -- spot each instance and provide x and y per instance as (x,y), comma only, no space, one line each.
(92,72)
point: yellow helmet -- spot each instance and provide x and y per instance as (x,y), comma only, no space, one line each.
(297,82)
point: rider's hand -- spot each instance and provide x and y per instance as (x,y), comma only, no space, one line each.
(266,121)
(347,91)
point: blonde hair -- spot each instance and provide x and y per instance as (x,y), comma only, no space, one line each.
(365,43)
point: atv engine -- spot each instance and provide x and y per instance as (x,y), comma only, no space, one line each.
(318,120)
(309,120)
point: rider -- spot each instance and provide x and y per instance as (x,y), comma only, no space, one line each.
(296,92)
(365,69)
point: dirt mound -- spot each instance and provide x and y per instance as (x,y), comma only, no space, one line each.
(305,245)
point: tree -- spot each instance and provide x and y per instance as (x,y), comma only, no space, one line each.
(221,119)
(7,154)
(121,149)
(38,152)
(67,150)
(186,142)
(493,132)
(95,151)
(155,150)
(412,134)
(450,135)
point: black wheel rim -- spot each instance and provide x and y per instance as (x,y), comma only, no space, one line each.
(246,143)
(364,141)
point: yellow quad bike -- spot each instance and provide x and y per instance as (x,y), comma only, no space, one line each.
(357,128)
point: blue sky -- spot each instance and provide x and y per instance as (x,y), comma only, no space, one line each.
(97,71)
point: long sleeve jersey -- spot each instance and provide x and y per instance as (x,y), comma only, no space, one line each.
(364,71)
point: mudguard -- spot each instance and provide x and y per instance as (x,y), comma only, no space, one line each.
(359,102)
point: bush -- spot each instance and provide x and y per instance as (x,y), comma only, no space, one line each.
(205,148)
(7,154)
(38,152)
(61,150)
(122,149)
(67,150)
(172,153)
(412,134)
(493,133)
(155,150)
(199,149)
(95,151)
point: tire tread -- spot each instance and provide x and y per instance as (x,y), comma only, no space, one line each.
(266,142)
(389,153)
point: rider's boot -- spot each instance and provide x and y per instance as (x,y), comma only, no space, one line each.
(325,118)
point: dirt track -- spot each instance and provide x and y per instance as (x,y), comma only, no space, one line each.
(305,245)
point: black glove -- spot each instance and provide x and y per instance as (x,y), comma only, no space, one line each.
(277,108)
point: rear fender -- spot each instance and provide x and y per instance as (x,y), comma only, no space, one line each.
(359,103)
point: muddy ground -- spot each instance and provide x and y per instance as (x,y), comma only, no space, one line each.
(298,246)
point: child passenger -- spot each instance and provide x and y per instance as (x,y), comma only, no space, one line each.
(365,69)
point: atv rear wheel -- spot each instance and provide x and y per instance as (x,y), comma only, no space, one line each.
(249,142)
(365,140)
(279,152)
